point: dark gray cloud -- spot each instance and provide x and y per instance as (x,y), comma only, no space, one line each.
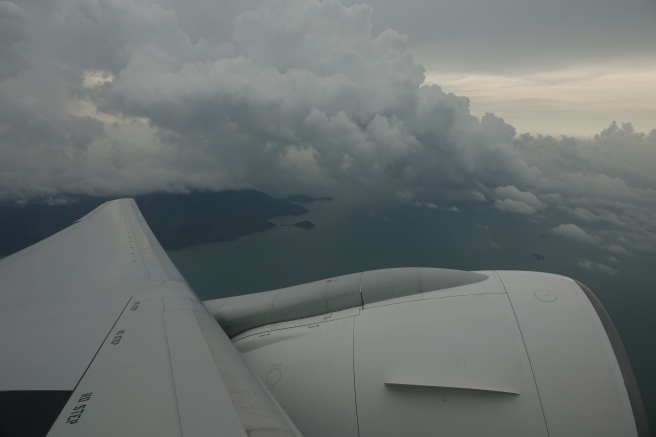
(12,35)
(515,36)
(287,96)
(41,152)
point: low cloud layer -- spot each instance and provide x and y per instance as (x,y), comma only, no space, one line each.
(596,267)
(511,199)
(120,97)
(573,232)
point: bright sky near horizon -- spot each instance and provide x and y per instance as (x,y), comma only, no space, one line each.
(555,68)
(574,102)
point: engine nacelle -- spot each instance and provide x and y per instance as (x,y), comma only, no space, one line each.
(439,352)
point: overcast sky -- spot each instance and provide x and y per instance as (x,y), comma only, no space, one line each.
(552,67)
(120,97)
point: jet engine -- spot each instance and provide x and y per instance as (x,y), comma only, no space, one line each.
(419,351)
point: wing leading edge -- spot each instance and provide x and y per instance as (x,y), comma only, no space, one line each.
(99,318)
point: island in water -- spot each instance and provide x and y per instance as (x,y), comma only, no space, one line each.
(177,220)
(305,224)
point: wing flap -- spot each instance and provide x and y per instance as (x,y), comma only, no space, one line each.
(200,390)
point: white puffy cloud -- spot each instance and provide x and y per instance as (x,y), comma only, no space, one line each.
(573,232)
(512,192)
(514,206)
(596,267)
(511,199)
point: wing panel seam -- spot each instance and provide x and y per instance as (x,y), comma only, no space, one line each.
(109,332)
(355,389)
(168,351)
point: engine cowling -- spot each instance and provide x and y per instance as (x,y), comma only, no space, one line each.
(439,352)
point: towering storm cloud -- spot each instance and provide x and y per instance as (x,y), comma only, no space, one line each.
(120,97)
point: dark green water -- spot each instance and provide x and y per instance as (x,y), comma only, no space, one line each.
(353,238)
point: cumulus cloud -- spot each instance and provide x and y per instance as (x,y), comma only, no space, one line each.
(596,267)
(514,206)
(573,232)
(511,192)
(511,199)
(293,79)
(290,96)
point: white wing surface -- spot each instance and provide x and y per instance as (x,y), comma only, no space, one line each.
(100,335)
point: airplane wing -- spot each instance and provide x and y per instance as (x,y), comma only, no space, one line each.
(100,335)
